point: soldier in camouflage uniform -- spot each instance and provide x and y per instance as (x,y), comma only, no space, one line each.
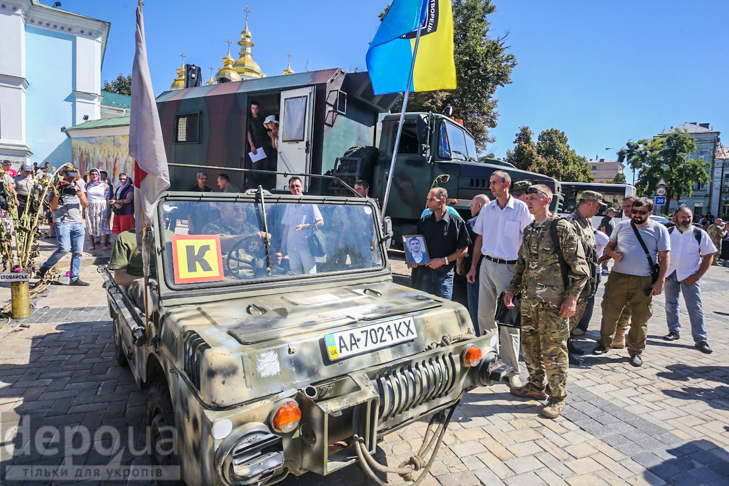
(231,226)
(717,233)
(581,218)
(518,190)
(549,299)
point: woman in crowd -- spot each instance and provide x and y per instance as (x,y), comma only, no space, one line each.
(123,205)
(97,221)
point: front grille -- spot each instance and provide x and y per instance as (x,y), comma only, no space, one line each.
(404,388)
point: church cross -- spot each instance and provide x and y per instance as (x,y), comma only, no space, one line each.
(289,54)
(183,56)
(229,43)
(247,11)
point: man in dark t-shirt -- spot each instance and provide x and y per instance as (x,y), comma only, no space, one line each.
(126,262)
(258,139)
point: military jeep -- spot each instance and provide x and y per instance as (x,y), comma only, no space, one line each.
(256,370)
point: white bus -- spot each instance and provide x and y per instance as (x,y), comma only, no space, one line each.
(612,195)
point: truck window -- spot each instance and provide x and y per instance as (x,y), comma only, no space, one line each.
(471,144)
(444,147)
(457,141)
(294,119)
(408,138)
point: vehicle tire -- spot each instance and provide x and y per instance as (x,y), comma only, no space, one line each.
(160,416)
(121,358)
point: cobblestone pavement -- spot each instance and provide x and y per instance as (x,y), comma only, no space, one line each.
(664,423)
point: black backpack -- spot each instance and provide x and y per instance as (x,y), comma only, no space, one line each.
(590,256)
(697,233)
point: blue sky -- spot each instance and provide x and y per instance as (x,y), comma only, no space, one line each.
(602,71)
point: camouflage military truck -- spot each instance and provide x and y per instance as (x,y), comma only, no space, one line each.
(330,122)
(255,371)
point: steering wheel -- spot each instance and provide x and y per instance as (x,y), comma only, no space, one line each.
(244,257)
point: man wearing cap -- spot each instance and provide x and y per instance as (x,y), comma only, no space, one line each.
(519,190)
(66,206)
(23,183)
(581,219)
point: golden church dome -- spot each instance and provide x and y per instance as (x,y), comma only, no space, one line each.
(227,71)
(245,65)
(288,69)
(179,82)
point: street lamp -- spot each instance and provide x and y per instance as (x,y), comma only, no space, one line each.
(616,150)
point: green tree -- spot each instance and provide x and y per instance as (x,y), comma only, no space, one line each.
(483,64)
(121,85)
(666,156)
(620,178)
(551,155)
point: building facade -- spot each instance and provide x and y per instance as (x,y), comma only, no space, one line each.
(50,79)
(707,198)
(605,170)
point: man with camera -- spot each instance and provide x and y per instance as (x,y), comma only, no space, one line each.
(640,248)
(66,206)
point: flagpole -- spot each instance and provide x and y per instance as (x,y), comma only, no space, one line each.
(402,119)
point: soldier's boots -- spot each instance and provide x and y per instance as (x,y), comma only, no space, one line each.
(529,391)
(554,408)
(619,339)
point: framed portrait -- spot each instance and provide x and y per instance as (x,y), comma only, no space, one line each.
(415,249)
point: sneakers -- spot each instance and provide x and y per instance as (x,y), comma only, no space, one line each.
(514,381)
(572,349)
(42,272)
(636,360)
(79,283)
(529,391)
(703,346)
(671,336)
(554,408)
(600,349)
(578,332)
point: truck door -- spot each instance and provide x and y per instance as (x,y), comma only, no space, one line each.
(296,122)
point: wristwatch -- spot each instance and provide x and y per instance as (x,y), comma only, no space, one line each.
(446,258)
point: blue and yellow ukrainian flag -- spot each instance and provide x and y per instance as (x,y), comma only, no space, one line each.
(390,55)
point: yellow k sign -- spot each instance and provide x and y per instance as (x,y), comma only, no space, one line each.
(197,258)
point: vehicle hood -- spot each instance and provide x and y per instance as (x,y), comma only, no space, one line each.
(239,350)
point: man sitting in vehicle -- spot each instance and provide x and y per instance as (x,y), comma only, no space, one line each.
(126,262)
(233,227)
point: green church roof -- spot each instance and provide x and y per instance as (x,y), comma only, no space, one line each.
(116,100)
(103,123)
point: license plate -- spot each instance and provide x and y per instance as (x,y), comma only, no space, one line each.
(363,339)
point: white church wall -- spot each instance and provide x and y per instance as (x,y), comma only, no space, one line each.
(50,97)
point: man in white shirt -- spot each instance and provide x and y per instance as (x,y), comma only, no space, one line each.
(692,252)
(500,228)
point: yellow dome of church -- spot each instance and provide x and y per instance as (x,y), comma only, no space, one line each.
(179,82)
(245,65)
(227,71)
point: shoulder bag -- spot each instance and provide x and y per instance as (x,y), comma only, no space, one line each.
(654,268)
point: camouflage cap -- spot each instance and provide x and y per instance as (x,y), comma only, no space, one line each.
(69,169)
(521,186)
(592,196)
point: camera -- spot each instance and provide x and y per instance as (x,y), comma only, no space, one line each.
(68,189)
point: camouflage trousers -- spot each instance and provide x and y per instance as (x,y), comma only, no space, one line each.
(717,254)
(544,343)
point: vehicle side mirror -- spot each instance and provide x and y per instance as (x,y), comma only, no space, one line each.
(424,150)
(387,232)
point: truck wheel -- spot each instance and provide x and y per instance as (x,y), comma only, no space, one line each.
(161,421)
(121,358)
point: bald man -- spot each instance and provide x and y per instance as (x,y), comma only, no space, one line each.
(464,264)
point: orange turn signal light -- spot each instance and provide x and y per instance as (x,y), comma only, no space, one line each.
(286,417)
(471,357)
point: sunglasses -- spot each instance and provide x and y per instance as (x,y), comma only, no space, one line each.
(635,211)
(535,190)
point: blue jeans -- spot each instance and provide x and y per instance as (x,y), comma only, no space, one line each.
(692,298)
(71,237)
(472,294)
(436,282)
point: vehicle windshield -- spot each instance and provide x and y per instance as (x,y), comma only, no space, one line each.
(225,242)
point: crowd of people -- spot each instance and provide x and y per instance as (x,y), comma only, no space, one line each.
(515,251)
